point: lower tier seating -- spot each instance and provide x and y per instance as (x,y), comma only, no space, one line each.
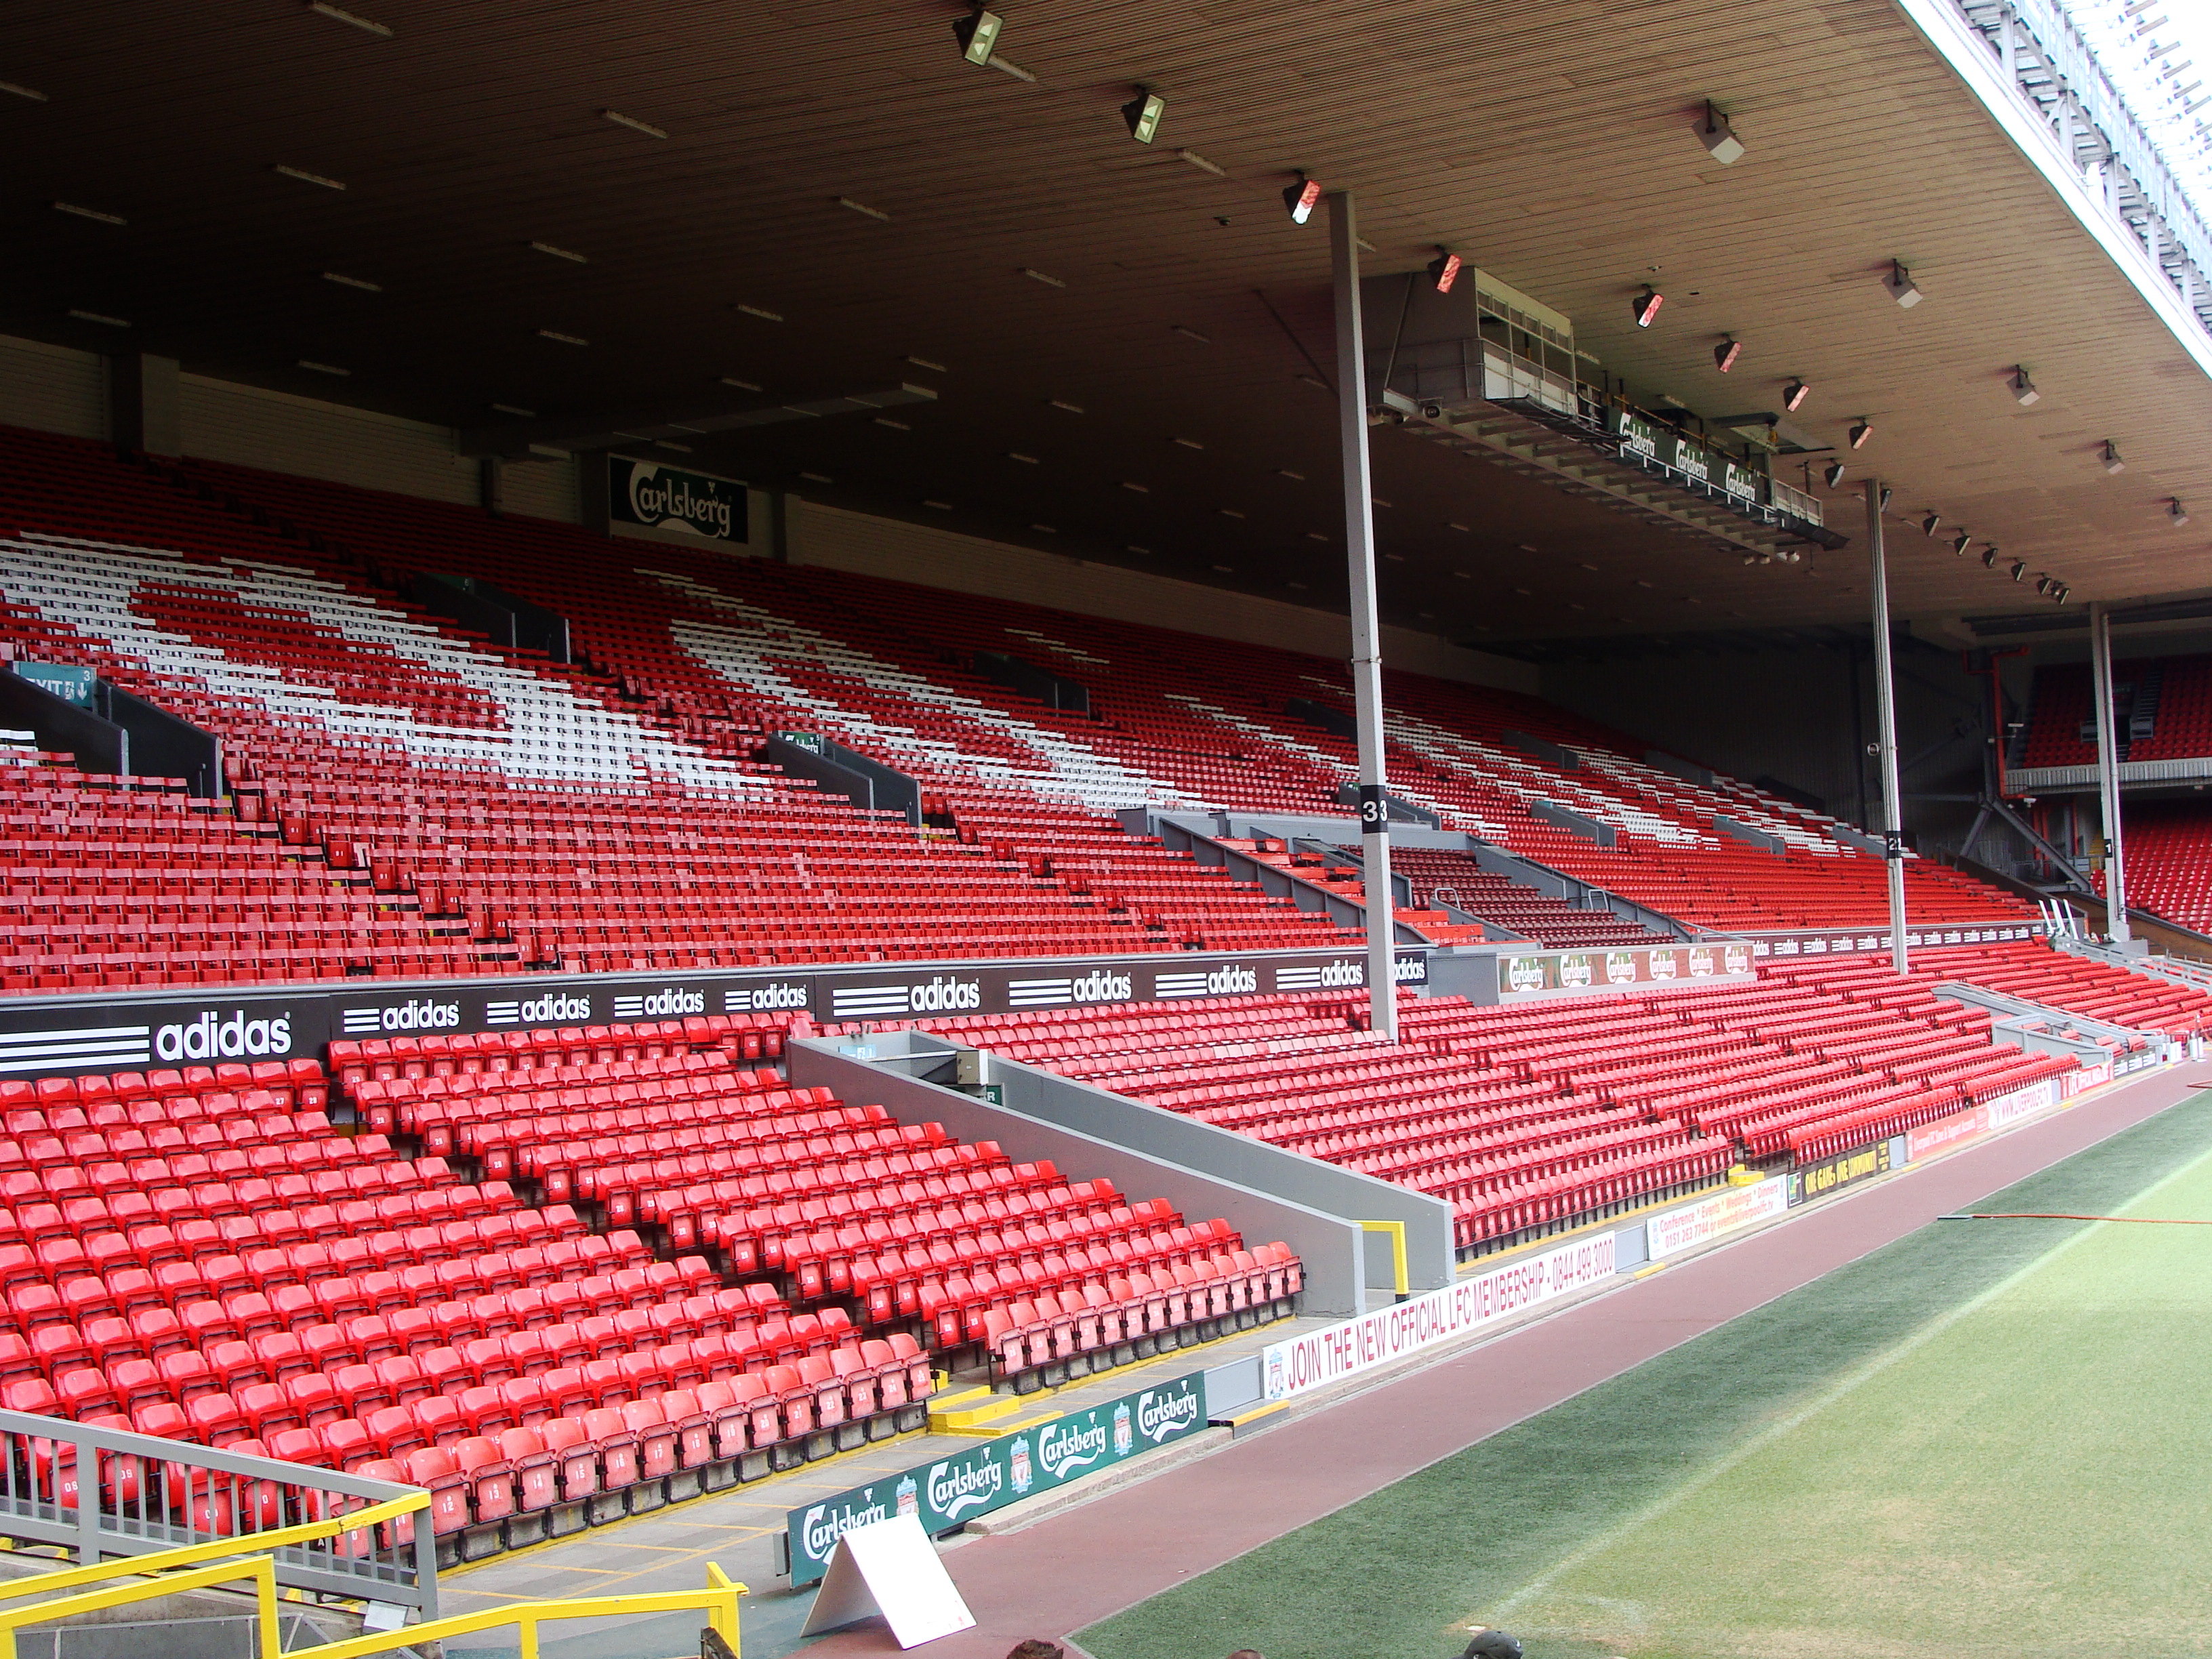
(1526,1118)
(737,1275)
(2096,990)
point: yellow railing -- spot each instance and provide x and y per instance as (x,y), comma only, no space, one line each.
(172,1570)
(1401,1277)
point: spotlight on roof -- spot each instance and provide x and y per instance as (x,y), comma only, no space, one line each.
(1726,353)
(1143,115)
(1443,270)
(1300,198)
(2019,568)
(1861,432)
(2023,389)
(1882,504)
(1989,556)
(1834,472)
(2175,511)
(2113,461)
(2061,592)
(978,34)
(1645,306)
(1794,394)
(1900,287)
(1931,524)
(1959,545)
(2042,583)
(1719,138)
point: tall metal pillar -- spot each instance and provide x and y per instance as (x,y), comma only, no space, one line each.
(2108,774)
(1366,633)
(1885,695)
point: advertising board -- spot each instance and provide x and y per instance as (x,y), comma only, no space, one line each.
(41,1035)
(1352,1345)
(1532,973)
(1725,1211)
(947,1494)
(1830,1175)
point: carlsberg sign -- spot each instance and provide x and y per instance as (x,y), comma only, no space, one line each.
(653,496)
(947,1494)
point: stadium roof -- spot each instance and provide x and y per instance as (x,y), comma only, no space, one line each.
(820,200)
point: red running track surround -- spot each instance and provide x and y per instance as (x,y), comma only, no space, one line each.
(485,810)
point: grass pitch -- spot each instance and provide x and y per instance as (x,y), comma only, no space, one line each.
(1987,1439)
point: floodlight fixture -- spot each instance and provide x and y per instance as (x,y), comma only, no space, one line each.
(2042,583)
(2019,568)
(1989,556)
(1882,504)
(1143,115)
(2023,389)
(2113,461)
(1900,287)
(1931,524)
(1861,432)
(1961,543)
(1719,138)
(1794,395)
(1645,306)
(1834,472)
(2061,592)
(978,34)
(1726,353)
(1444,269)
(1300,198)
(2175,511)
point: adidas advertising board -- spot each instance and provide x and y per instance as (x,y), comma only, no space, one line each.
(945,1495)
(42,1036)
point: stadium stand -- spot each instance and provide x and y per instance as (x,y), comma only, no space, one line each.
(610,814)
(204,1254)
(2163,707)
(1455,878)
(2169,849)
(2095,990)
(1528,1119)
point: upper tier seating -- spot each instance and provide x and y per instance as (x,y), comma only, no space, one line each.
(2169,854)
(483,809)
(2178,701)
(1526,1118)
(201,1254)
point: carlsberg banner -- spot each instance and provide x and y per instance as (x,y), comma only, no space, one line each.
(654,496)
(948,1493)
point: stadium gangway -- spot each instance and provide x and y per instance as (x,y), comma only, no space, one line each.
(106,1493)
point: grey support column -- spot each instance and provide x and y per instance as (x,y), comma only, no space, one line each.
(2108,774)
(1885,695)
(144,405)
(1366,631)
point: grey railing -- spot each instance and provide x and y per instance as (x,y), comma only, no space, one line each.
(103,1493)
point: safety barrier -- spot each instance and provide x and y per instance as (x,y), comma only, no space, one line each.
(104,1493)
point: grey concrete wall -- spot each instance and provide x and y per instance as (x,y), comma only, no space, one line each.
(1265,1192)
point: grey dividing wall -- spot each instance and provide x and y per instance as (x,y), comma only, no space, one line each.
(1265,1192)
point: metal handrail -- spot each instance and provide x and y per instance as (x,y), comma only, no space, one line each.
(110,1493)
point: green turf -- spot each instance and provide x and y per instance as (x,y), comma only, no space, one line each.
(1986,1438)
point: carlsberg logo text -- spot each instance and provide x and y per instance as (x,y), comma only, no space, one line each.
(1102,987)
(656,500)
(820,1530)
(1064,1447)
(1161,1415)
(942,995)
(555,1007)
(1230,982)
(213,1036)
(953,1492)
